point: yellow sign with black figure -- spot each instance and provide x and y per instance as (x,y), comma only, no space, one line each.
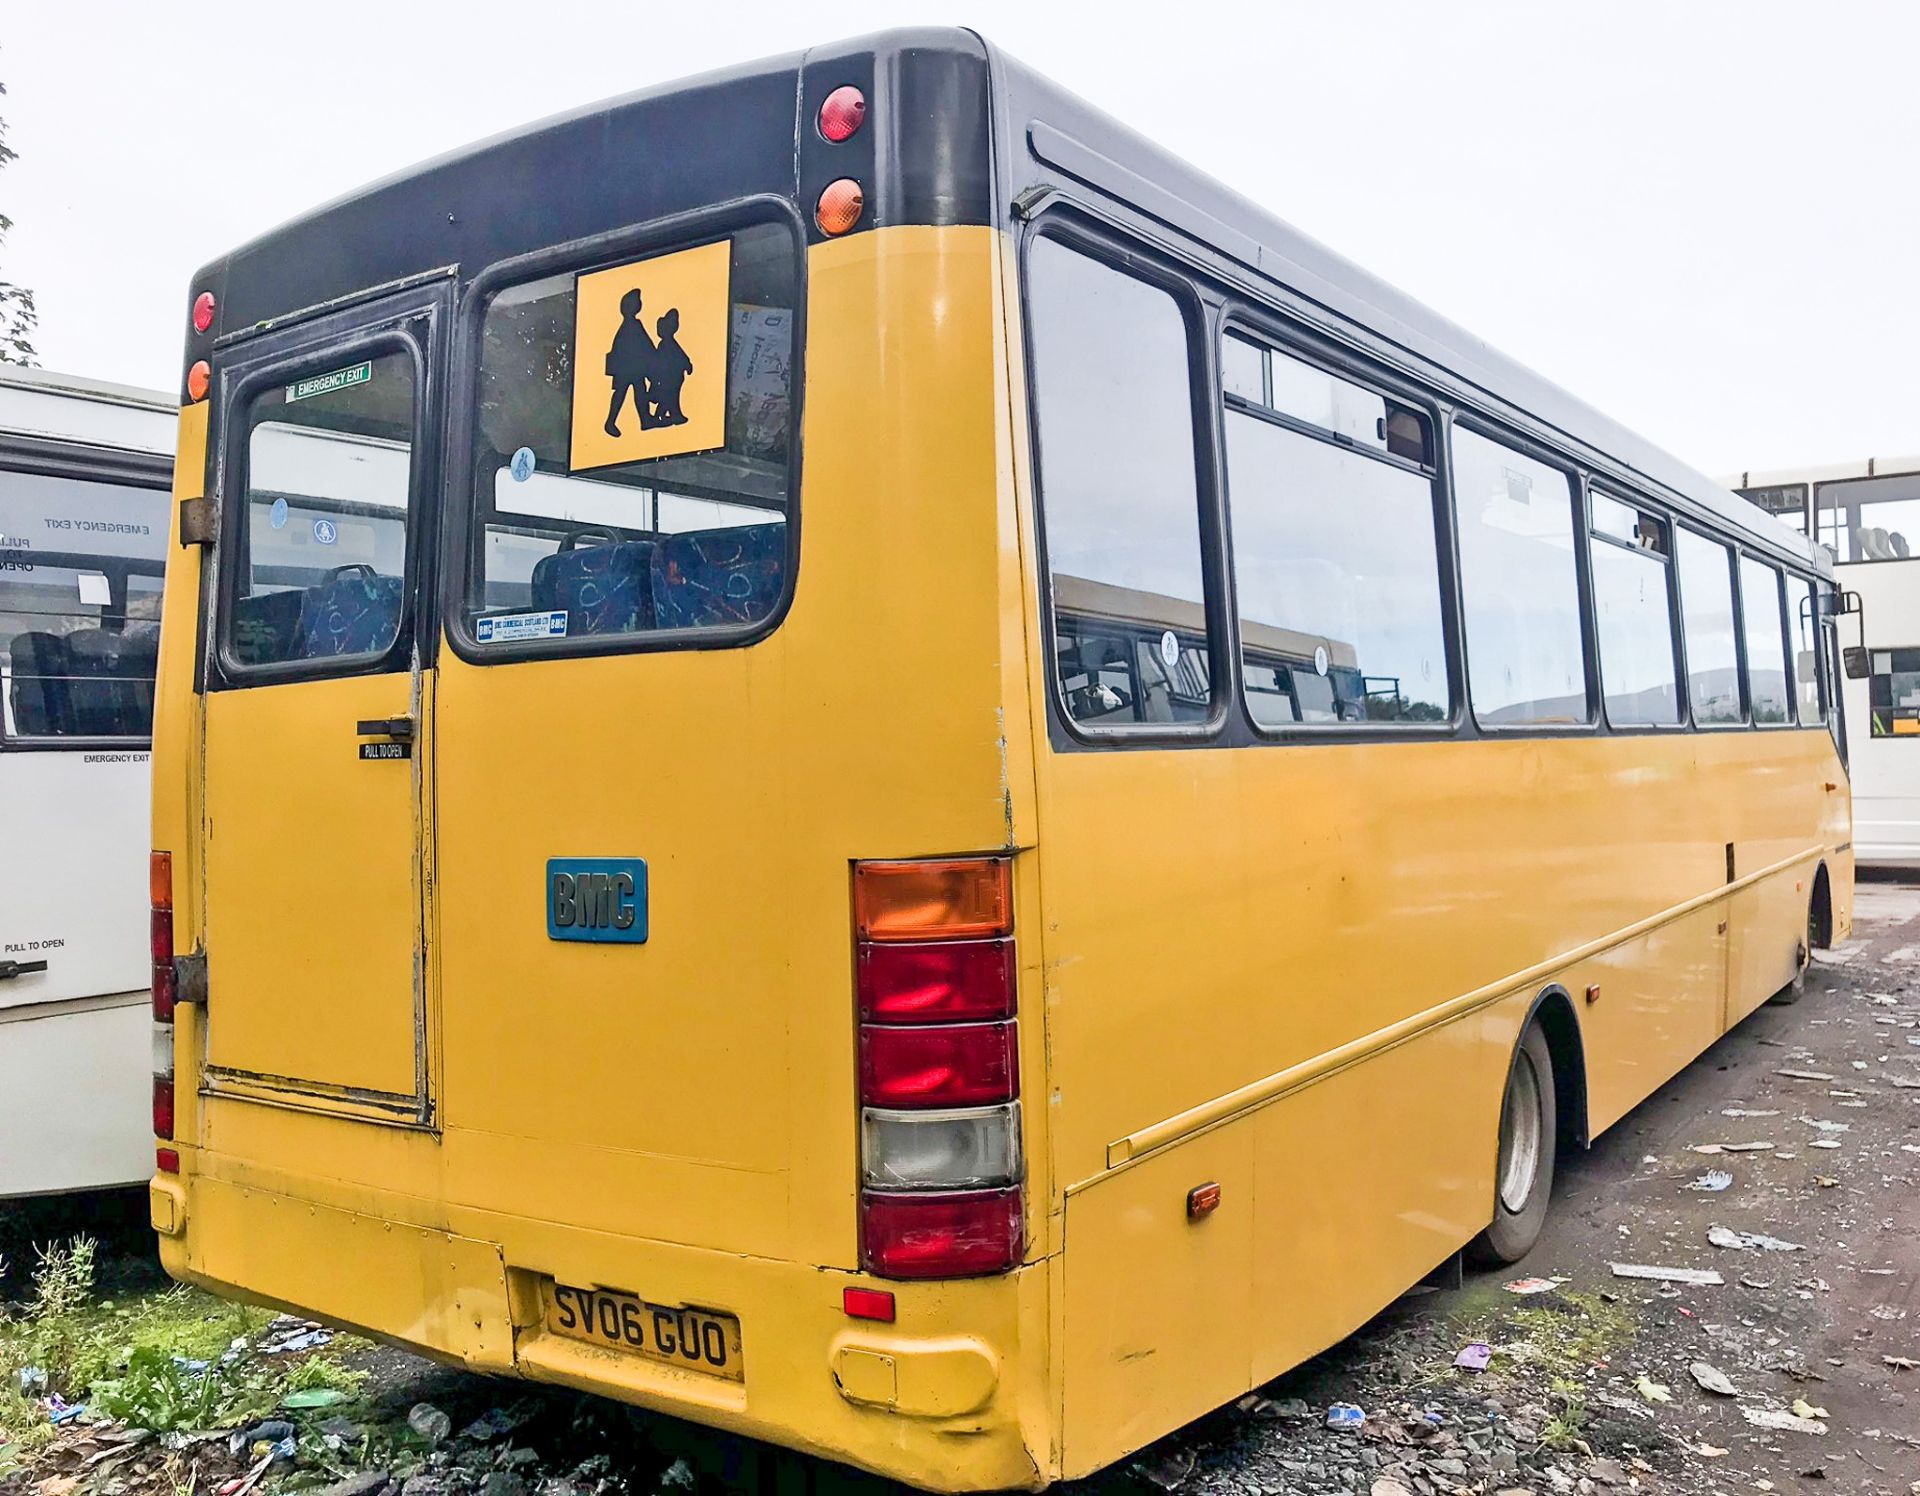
(650,358)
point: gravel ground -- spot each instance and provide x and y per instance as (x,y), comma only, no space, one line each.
(1594,1383)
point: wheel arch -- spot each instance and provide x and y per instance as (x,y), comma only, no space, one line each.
(1820,910)
(1554,1011)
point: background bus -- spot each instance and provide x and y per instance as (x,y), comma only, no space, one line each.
(84,469)
(1071,797)
(1867,515)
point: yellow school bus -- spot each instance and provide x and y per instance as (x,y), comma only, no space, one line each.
(919,786)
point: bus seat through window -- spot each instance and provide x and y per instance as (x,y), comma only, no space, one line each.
(729,576)
(39,669)
(266,625)
(355,611)
(604,589)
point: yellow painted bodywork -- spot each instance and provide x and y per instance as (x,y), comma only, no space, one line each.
(1297,972)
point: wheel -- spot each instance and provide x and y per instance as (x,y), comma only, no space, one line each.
(1523,1175)
(1790,994)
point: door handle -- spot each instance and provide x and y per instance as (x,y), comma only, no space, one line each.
(400,729)
(11,969)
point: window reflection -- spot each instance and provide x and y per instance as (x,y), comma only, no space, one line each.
(1520,587)
(1119,491)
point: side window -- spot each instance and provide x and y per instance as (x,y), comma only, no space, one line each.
(81,565)
(1334,559)
(1893,694)
(633,445)
(1633,615)
(1119,493)
(1803,628)
(1706,617)
(321,542)
(1520,586)
(1767,686)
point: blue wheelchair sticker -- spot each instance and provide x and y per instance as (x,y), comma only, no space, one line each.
(601,899)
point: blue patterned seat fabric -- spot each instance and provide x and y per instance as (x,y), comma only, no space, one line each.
(709,578)
(356,611)
(603,588)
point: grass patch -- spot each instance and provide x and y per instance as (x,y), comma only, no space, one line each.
(122,1356)
(1566,1426)
(1574,1335)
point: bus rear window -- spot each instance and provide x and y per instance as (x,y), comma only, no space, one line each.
(633,447)
(81,565)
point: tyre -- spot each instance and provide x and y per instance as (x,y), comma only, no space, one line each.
(1523,1175)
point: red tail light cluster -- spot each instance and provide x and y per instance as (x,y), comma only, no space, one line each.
(841,202)
(160,927)
(939,1069)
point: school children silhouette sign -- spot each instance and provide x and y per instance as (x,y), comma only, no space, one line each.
(650,358)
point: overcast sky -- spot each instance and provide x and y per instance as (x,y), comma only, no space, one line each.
(1697,214)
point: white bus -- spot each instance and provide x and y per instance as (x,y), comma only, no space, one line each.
(85,470)
(1868,515)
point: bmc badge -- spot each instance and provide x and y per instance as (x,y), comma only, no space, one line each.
(597,898)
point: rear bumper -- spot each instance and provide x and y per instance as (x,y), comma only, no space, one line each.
(951,1397)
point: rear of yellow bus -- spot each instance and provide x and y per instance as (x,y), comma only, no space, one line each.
(593,938)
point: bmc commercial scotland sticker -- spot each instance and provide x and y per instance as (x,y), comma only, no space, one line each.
(509,628)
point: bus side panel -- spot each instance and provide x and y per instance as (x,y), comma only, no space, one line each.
(1886,786)
(1373,1176)
(1655,1004)
(74,1085)
(1159,1309)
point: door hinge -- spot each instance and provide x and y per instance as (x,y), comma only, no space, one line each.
(190,978)
(198,521)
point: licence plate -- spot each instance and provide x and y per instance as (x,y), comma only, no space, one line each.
(693,1339)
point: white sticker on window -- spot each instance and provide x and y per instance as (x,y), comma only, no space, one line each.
(1169,649)
(507,628)
(94,589)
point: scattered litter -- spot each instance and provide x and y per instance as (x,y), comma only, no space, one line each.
(1910,1147)
(1804,1409)
(313,1397)
(1533,1285)
(1345,1416)
(1886,1311)
(1709,1452)
(1747,1241)
(1474,1357)
(1713,1181)
(1901,1083)
(1704,1277)
(1804,1074)
(1732,1147)
(1785,1423)
(1824,1143)
(1825,1181)
(1902,1363)
(1651,1390)
(1827,1126)
(60,1411)
(1712,1379)
(1743,1111)
(1267,1409)
(1858,1064)
(429,1422)
(33,1381)
(1756,1282)
(1169,1469)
